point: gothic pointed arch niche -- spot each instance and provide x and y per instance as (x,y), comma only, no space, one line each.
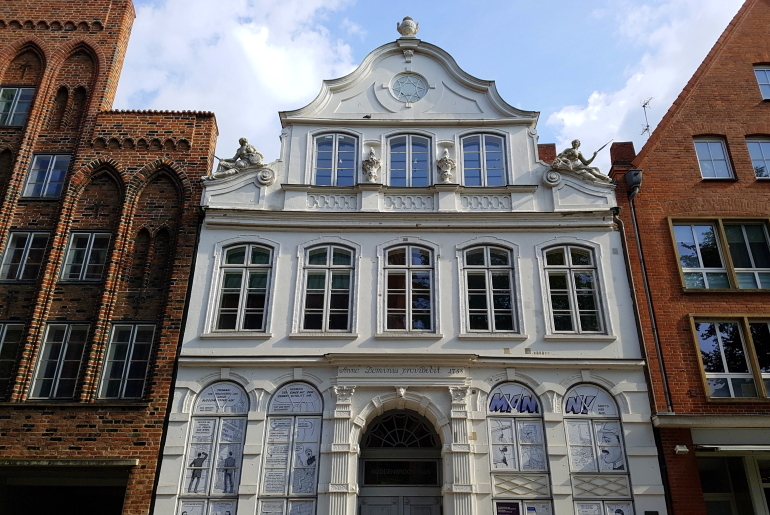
(400,463)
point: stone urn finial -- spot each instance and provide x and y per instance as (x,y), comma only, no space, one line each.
(407,28)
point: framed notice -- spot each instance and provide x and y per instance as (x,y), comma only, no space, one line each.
(507,508)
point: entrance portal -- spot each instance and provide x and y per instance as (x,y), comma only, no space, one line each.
(400,466)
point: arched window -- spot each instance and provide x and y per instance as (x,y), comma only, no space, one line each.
(335,160)
(519,462)
(409,160)
(290,464)
(244,288)
(573,290)
(483,160)
(597,457)
(328,287)
(215,451)
(409,283)
(489,288)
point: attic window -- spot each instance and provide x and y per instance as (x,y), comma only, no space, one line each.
(409,87)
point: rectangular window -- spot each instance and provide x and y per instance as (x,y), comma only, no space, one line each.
(704,264)
(409,285)
(10,341)
(489,289)
(483,160)
(335,163)
(58,364)
(573,290)
(735,356)
(24,256)
(244,293)
(46,176)
(86,256)
(759,151)
(125,369)
(763,80)
(712,157)
(409,161)
(328,282)
(14,105)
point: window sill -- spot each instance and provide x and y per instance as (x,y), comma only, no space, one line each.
(323,336)
(722,400)
(408,336)
(762,178)
(235,335)
(74,281)
(46,199)
(18,281)
(69,403)
(583,337)
(725,290)
(492,336)
(720,179)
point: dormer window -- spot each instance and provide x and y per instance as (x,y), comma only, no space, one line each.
(335,160)
(483,160)
(409,161)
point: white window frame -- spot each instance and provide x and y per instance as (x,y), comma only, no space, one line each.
(4,327)
(23,256)
(723,144)
(335,157)
(328,270)
(513,249)
(12,111)
(482,157)
(764,157)
(409,137)
(213,283)
(245,269)
(604,290)
(68,262)
(407,269)
(763,83)
(568,270)
(754,270)
(65,343)
(128,361)
(702,270)
(28,185)
(297,330)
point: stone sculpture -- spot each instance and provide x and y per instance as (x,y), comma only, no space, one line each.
(407,28)
(445,165)
(572,160)
(246,158)
(371,166)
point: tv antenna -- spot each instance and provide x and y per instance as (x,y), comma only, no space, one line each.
(646,126)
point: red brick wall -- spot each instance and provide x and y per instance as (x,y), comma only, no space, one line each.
(683,477)
(131,172)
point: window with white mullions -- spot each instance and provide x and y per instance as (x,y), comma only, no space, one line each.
(125,368)
(489,283)
(409,161)
(483,160)
(712,158)
(86,256)
(763,80)
(58,362)
(724,358)
(335,160)
(700,256)
(759,151)
(760,338)
(10,341)
(409,282)
(573,290)
(46,176)
(244,292)
(24,256)
(328,283)
(750,253)
(14,105)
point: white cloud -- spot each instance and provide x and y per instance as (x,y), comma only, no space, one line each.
(677,35)
(241,59)
(353,28)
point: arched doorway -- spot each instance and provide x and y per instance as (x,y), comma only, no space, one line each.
(399,470)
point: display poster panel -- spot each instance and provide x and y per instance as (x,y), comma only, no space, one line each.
(222,398)
(507,508)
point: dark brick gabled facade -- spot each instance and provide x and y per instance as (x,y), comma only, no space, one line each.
(133,175)
(721,102)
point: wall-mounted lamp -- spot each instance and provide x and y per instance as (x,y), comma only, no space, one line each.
(681,449)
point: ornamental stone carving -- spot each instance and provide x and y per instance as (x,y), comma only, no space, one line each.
(331,202)
(371,166)
(571,160)
(401,391)
(246,158)
(344,393)
(445,165)
(485,202)
(459,393)
(408,202)
(407,28)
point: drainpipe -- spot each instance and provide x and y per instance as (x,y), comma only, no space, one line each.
(634,179)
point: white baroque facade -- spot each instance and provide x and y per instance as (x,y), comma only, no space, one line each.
(409,313)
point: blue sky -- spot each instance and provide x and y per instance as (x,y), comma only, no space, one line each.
(585,65)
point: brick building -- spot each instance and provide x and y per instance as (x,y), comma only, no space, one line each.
(700,219)
(98,224)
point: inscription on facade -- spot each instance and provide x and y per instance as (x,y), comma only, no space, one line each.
(401,371)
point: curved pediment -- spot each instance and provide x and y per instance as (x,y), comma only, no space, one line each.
(408,81)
